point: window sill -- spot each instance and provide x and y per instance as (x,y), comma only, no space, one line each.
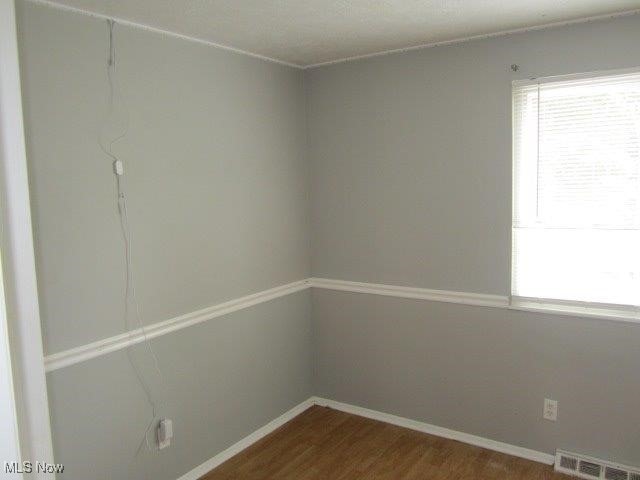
(620,313)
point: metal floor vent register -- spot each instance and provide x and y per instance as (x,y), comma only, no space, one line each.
(593,468)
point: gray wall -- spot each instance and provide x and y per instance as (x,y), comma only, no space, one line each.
(411,154)
(215,172)
(217,184)
(411,185)
(224,379)
(483,371)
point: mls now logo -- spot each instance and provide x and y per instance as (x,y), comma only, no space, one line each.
(30,467)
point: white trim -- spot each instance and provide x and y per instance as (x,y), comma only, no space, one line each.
(464,298)
(18,258)
(95,349)
(246,442)
(149,28)
(574,309)
(473,38)
(619,313)
(236,448)
(133,337)
(9,435)
(487,443)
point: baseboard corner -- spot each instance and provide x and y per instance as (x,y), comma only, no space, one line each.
(247,441)
(263,431)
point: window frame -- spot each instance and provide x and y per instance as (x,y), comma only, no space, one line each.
(607,311)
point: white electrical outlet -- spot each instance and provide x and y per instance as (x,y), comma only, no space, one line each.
(550,411)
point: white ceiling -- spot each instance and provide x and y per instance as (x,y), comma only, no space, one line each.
(308,32)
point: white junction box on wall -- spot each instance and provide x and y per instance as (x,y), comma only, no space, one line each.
(165,433)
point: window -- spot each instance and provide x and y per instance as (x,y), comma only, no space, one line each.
(576,179)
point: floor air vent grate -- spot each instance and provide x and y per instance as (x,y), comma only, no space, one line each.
(592,468)
(611,473)
(569,463)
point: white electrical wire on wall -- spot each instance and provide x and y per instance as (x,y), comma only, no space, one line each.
(130,296)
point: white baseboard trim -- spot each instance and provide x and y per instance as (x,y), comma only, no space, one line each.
(246,442)
(487,443)
(250,439)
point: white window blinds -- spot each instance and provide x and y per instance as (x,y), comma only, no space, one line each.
(576,215)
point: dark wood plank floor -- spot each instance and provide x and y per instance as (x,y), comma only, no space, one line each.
(322,444)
